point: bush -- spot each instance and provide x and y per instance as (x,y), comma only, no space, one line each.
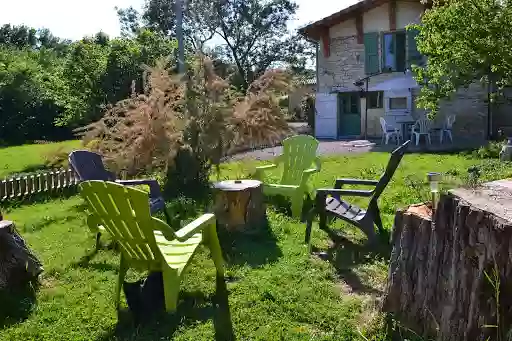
(308,108)
(185,126)
(490,151)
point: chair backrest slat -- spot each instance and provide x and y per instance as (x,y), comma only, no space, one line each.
(299,153)
(124,212)
(89,166)
(450,120)
(393,163)
(383,125)
(423,125)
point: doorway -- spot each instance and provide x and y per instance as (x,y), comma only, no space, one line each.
(349,114)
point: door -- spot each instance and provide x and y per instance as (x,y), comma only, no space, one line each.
(325,118)
(349,114)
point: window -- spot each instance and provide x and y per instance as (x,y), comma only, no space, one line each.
(390,51)
(393,51)
(349,103)
(397,103)
(374,99)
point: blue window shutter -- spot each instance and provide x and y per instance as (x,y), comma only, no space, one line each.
(414,57)
(371,53)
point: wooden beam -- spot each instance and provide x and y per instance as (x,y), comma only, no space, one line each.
(326,43)
(392,15)
(359,28)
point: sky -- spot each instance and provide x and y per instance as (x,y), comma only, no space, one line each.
(73,19)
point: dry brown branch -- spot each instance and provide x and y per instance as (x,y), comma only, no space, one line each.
(199,111)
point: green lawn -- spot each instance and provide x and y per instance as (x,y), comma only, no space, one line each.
(31,156)
(276,289)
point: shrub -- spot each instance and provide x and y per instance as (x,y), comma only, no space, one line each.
(308,108)
(490,151)
(184,125)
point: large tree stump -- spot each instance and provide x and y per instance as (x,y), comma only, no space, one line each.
(440,269)
(18,265)
(240,205)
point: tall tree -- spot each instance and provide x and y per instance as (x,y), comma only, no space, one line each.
(465,41)
(252,34)
(255,34)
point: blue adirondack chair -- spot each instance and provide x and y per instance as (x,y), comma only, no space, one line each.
(89,166)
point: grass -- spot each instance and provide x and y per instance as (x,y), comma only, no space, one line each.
(30,157)
(276,289)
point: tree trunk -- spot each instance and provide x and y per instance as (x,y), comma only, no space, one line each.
(442,272)
(240,205)
(18,265)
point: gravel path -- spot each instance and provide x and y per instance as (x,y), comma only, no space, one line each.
(325,148)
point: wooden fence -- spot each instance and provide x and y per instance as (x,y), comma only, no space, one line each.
(42,182)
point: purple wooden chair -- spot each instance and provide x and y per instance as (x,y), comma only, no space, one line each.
(89,166)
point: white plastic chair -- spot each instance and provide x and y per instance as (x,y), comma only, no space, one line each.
(389,131)
(423,126)
(447,128)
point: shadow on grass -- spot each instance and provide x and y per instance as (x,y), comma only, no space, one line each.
(85,263)
(193,307)
(40,198)
(17,304)
(344,255)
(254,248)
(282,205)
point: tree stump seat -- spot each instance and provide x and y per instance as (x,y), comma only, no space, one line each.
(239,205)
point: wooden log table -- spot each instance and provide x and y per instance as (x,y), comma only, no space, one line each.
(239,205)
(446,265)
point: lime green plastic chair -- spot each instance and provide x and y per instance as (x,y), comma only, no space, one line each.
(299,154)
(148,243)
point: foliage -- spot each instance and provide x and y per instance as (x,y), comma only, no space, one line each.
(97,74)
(308,109)
(269,273)
(254,33)
(197,119)
(27,106)
(49,86)
(459,54)
(489,151)
(22,37)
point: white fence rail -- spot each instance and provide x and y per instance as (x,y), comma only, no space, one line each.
(29,184)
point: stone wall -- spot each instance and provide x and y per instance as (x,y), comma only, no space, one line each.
(344,66)
(469,106)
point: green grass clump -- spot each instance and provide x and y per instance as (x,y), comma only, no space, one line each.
(31,157)
(276,290)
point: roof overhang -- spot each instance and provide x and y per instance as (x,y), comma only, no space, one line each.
(316,30)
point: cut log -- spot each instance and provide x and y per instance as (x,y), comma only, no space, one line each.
(240,205)
(18,265)
(444,266)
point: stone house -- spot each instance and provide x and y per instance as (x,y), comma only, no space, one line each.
(363,56)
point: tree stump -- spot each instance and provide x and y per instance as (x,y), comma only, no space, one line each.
(18,265)
(240,205)
(444,266)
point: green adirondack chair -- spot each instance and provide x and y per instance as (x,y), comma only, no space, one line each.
(147,243)
(299,154)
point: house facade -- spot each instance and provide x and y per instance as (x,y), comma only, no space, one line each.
(364,53)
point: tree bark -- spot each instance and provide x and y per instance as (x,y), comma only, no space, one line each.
(443,266)
(18,265)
